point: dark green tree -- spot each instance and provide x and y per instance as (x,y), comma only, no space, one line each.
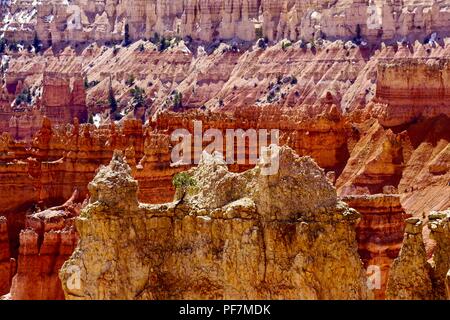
(36,43)
(138,95)
(2,45)
(126,38)
(112,100)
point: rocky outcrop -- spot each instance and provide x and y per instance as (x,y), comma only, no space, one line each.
(409,277)
(64,99)
(440,232)
(226,236)
(5,256)
(379,234)
(48,239)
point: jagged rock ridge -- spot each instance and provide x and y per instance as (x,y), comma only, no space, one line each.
(265,239)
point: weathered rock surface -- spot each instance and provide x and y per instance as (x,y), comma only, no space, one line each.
(5,256)
(411,276)
(105,20)
(440,232)
(379,234)
(48,240)
(264,239)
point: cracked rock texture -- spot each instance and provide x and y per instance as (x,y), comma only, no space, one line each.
(412,276)
(409,277)
(231,236)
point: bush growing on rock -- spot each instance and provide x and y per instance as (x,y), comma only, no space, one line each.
(182,182)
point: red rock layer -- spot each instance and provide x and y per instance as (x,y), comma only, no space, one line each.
(412,88)
(63,94)
(5,256)
(47,242)
(379,233)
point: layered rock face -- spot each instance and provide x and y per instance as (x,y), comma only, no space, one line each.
(379,234)
(104,20)
(412,89)
(263,239)
(5,264)
(48,239)
(54,88)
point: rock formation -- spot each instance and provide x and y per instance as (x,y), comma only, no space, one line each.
(5,265)
(412,89)
(379,234)
(411,276)
(48,239)
(362,87)
(440,232)
(105,20)
(263,239)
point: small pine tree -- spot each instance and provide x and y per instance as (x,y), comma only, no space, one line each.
(36,43)
(126,38)
(2,45)
(112,100)
(178,101)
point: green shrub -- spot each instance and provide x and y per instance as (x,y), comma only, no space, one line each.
(286,44)
(138,95)
(24,97)
(183,181)
(126,37)
(130,81)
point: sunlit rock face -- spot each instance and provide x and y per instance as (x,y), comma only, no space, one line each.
(105,20)
(282,236)
(411,275)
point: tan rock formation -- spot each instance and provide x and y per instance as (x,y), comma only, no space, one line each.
(440,232)
(217,240)
(409,277)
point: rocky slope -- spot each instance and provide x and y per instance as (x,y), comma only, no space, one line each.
(261,240)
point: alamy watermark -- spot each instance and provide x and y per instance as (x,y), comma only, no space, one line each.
(235,146)
(373,277)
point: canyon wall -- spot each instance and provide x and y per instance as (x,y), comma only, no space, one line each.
(374,116)
(379,234)
(92,20)
(412,89)
(274,238)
